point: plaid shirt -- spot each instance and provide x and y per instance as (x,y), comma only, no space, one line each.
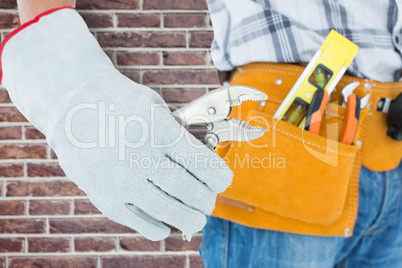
(292,31)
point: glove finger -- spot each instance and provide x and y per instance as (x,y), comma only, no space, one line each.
(185,187)
(170,210)
(131,216)
(143,223)
(205,165)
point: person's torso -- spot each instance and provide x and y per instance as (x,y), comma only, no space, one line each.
(291,32)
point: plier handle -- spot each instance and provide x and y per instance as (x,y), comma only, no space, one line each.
(353,105)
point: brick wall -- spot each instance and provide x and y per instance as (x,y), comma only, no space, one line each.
(45,220)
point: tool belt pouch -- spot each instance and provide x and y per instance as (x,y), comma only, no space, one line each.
(291,179)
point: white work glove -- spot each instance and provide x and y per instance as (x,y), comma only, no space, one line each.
(114,138)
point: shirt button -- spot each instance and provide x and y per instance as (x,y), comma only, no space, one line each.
(397,39)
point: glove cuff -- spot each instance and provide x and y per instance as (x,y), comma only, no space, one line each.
(22,27)
(44,62)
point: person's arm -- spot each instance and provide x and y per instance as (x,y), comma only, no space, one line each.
(29,9)
(58,76)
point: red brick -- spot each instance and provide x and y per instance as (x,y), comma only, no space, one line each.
(4,97)
(180,77)
(12,208)
(184,20)
(196,262)
(137,58)
(11,114)
(48,244)
(110,55)
(23,152)
(182,95)
(11,170)
(201,39)
(54,262)
(143,261)
(138,20)
(177,244)
(10,133)
(132,74)
(184,58)
(11,244)
(49,188)
(97,20)
(2,262)
(142,39)
(175,4)
(107,4)
(31,133)
(31,226)
(45,170)
(8,4)
(94,225)
(49,207)
(1,189)
(8,20)
(98,244)
(53,154)
(173,229)
(139,244)
(84,207)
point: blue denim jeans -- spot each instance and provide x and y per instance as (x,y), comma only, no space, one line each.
(376,242)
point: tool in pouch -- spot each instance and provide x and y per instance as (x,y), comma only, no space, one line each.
(305,104)
(353,105)
(393,108)
(213,109)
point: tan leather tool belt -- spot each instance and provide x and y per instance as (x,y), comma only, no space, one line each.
(296,181)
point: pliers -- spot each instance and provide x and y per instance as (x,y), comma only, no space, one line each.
(213,109)
(353,105)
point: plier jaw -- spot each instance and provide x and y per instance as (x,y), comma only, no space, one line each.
(213,110)
(230,130)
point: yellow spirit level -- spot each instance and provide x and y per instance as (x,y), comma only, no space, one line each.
(324,71)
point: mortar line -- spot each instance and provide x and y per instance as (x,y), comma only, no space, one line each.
(114,20)
(92,254)
(135,11)
(187,263)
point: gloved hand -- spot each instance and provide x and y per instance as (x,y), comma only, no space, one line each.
(114,138)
